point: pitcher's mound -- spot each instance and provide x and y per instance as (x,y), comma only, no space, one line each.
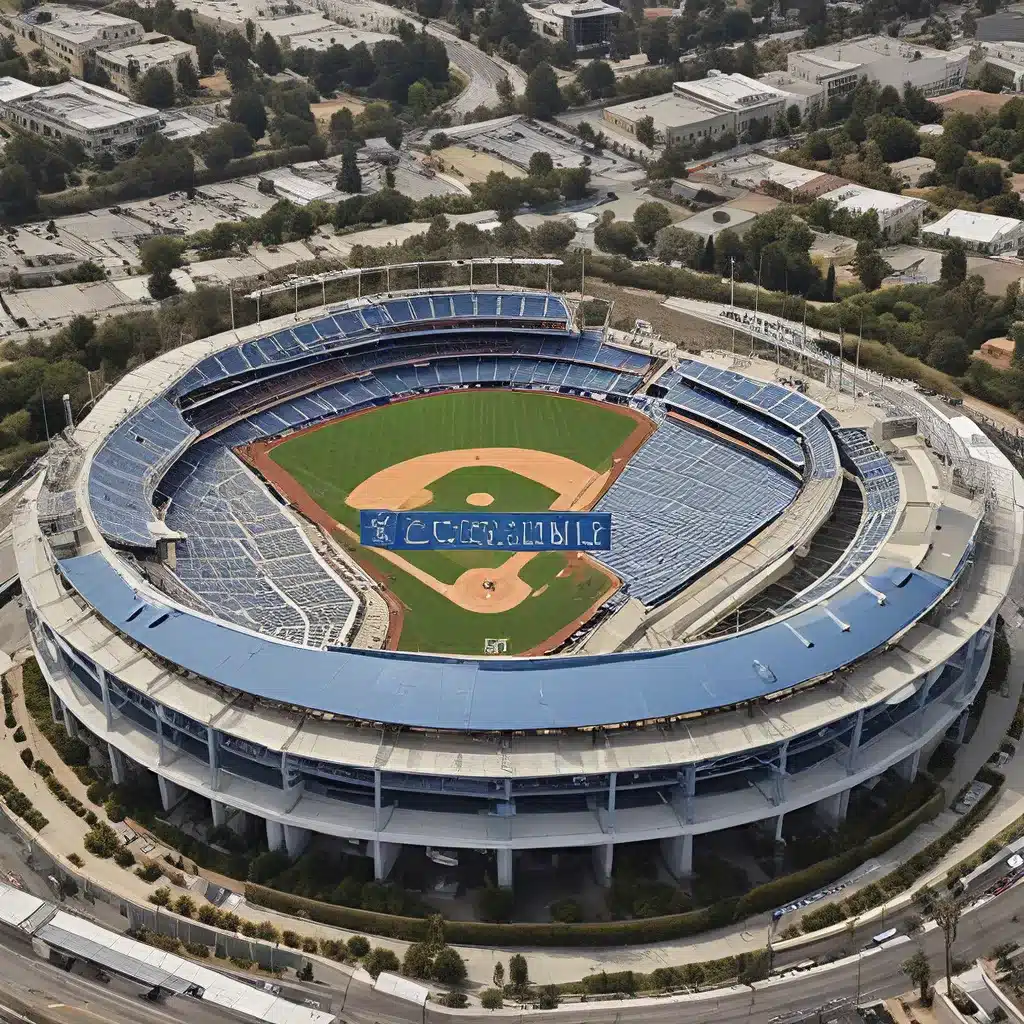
(480,498)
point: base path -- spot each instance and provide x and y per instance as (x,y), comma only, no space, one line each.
(405,485)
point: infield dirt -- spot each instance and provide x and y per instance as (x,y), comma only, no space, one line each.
(539,600)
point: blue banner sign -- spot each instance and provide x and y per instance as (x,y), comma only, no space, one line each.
(503,531)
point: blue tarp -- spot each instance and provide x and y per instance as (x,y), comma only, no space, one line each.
(435,692)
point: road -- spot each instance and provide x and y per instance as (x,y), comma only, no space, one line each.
(52,994)
(483,73)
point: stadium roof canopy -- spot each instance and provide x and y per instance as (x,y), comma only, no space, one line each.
(434,692)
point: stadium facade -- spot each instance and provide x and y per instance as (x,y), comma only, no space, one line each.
(836,623)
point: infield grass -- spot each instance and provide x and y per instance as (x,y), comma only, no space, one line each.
(331,461)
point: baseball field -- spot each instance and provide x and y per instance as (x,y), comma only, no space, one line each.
(500,450)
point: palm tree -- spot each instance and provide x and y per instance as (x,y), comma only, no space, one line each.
(947,916)
(919,971)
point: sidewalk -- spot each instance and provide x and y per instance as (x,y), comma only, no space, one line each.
(63,836)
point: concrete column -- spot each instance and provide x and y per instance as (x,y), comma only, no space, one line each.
(212,756)
(384,857)
(832,810)
(961,726)
(296,839)
(117,765)
(275,834)
(55,707)
(858,728)
(908,767)
(70,723)
(779,775)
(170,792)
(612,780)
(778,828)
(108,711)
(678,854)
(603,859)
(505,873)
(219,812)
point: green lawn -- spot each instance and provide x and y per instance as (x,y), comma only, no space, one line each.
(329,463)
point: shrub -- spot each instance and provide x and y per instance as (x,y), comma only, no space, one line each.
(27,756)
(418,961)
(124,857)
(149,873)
(495,904)
(102,841)
(161,897)
(290,939)
(114,810)
(19,735)
(197,949)
(10,721)
(74,858)
(208,914)
(380,959)
(34,819)
(18,802)
(309,945)
(42,768)
(822,917)
(358,945)
(449,967)
(491,999)
(266,931)
(456,1000)
(97,791)
(185,905)
(568,911)
(548,998)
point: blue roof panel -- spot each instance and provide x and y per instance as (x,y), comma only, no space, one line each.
(430,691)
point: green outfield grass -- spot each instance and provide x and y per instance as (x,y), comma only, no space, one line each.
(329,463)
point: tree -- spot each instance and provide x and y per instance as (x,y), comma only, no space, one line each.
(159,256)
(649,219)
(518,974)
(380,959)
(597,79)
(350,180)
(156,89)
(645,132)
(793,116)
(449,967)
(707,259)
(615,237)
(829,294)
(542,98)
(954,265)
(499,975)
(246,108)
(501,193)
(677,245)
(553,235)
(268,55)
(869,266)
(574,182)
(418,961)
(919,971)
(188,80)
(491,999)
(947,917)
(896,137)
(540,165)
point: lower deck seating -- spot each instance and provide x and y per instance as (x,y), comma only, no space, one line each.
(683,502)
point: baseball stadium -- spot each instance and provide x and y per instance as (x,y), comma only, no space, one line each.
(799,600)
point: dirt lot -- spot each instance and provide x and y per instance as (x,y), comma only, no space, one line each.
(472,167)
(995,273)
(323,110)
(216,85)
(971,101)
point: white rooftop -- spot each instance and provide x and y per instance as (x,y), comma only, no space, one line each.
(871,49)
(859,199)
(752,169)
(73,23)
(147,52)
(14,88)
(972,227)
(78,103)
(669,110)
(732,91)
(583,9)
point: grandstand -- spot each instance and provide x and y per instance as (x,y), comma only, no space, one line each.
(206,638)
(684,502)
